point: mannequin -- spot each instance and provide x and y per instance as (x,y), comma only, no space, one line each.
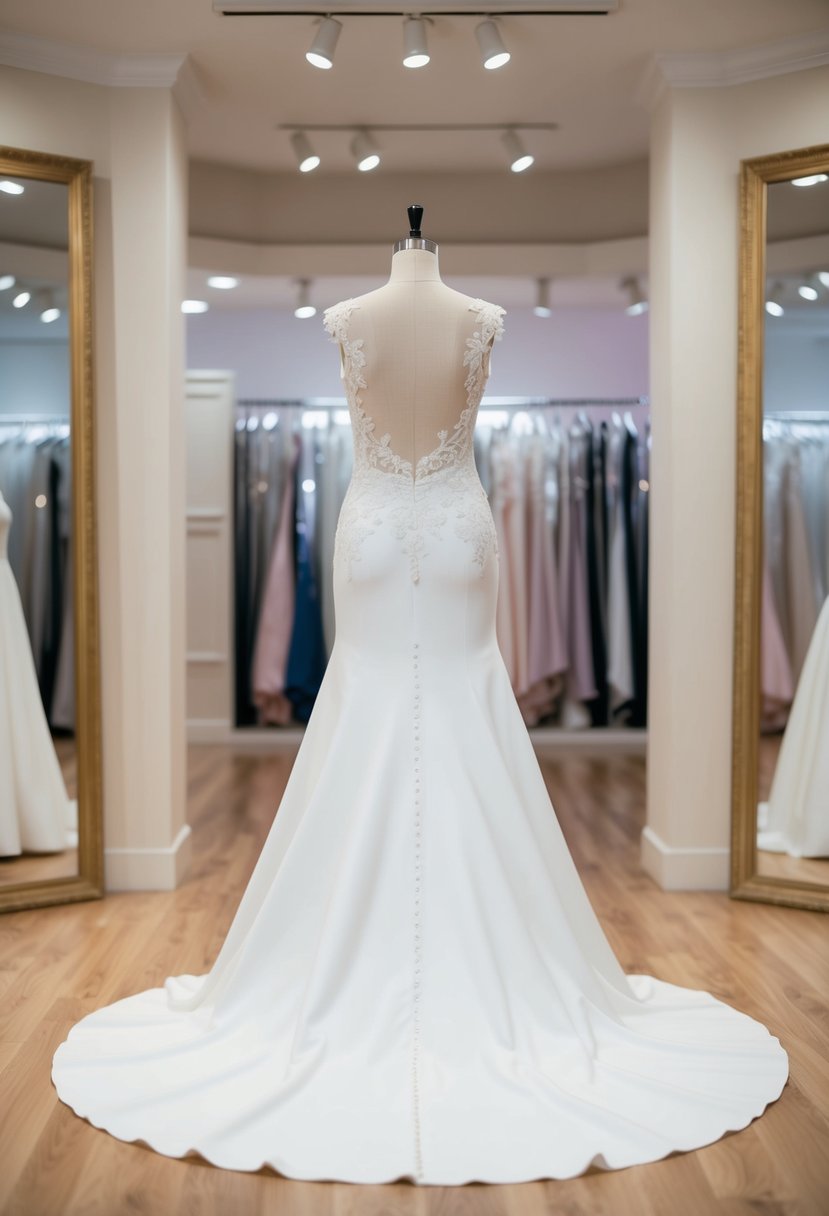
(414,331)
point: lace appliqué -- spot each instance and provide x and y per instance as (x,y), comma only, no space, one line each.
(459,494)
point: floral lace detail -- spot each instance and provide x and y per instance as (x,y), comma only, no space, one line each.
(368,450)
(414,514)
(450,448)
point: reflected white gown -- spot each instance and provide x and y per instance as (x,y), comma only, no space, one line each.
(795,819)
(415,985)
(36,814)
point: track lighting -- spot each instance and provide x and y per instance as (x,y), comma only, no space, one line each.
(223,281)
(194,306)
(304,307)
(542,298)
(21,299)
(519,158)
(774,301)
(823,276)
(321,51)
(306,158)
(7,281)
(812,180)
(493,52)
(9,187)
(415,50)
(637,300)
(365,152)
(808,289)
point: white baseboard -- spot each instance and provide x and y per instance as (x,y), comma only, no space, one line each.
(209,730)
(687,868)
(149,869)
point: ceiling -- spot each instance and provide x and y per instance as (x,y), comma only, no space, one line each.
(582,72)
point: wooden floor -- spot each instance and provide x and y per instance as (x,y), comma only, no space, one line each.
(57,964)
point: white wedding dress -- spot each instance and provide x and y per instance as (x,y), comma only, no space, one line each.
(36,814)
(415,985)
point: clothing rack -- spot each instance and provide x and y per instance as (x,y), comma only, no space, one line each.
(34,420)
(500,403)
(797,416)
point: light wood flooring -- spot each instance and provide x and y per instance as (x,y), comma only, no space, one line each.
(56,964)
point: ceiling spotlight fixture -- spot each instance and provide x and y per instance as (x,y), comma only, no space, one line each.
(7,281)
(9,187)
(415,50)
(808,289)
(638,301)
(223,281)
(519,158)
(194,306)
(823,277)
(306,157)
(365,152)
(48,310)
(542,298)
(22,299)
(774,301)
(321,51)
(812,180)
(304,307)
(493,52)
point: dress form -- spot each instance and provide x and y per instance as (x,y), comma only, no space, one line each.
(414,331)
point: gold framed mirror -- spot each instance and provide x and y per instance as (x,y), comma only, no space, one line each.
(780,757)
(51,846)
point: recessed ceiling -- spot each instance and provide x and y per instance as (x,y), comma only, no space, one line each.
(581,72)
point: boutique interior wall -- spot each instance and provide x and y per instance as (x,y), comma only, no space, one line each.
(698,137)
(135,137)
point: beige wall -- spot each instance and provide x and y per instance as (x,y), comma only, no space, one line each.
(135,137)
(698,139)
(602,204)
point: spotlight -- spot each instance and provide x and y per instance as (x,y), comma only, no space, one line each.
(808,289)
(7,281)
(48,311)
(812,180)
(22,299)
(493,52)
(519,158)
(638,301)
(194,306)
(542,298)
(365,152)
(823,276)
(415,50)
(11,187)
(774,301)
(306,158)
(321,51)
(304,307)
(223,281)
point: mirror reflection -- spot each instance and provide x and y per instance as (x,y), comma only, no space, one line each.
(793,791)
(38,777)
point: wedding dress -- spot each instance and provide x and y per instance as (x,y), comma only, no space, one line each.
(415,985)
(36,813)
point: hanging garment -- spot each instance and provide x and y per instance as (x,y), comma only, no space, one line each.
(276,621)
(795,819)
(800,577)
(582,681)
(620,628)
(306,654)
(36,815)
(547,651)
(776,684)
(595,586)
(415,984)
